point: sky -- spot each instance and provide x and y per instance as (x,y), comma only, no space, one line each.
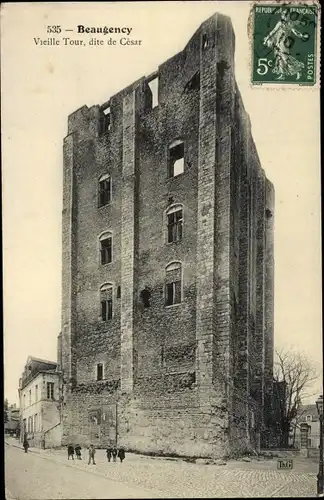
(42,85)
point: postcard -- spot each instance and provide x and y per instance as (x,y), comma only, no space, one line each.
(162,257)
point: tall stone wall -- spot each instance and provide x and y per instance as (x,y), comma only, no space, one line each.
(269,286)
(177,379)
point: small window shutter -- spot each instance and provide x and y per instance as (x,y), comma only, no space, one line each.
(103,310)
(177,298)
(109,250)
(180,230)
(170,233)
(108,188)
(109,307)
(169,294)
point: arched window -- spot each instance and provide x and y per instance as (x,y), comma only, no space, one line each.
(104,190)
(106,301)
(175,223)
(105,241)
(173,283)
(176,158)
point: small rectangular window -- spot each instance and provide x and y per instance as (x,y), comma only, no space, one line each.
(173,293)
(176,160)
(105,121)
(50,390)
(154,87)
(193,83)
(99,371)
(106,310)
(105,250)
(204,42)
(36,393)
(175,222)
(104,192)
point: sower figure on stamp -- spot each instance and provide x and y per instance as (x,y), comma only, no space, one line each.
(114,453)
(92,452)
(281,41)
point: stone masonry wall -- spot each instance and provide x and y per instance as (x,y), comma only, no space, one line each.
(168,370)
(127,242)
(269,286)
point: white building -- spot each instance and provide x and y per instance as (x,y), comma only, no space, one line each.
(40,403)
(306,429)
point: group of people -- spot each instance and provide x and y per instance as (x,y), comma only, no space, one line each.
(114,453)
(74,449)
(111,452)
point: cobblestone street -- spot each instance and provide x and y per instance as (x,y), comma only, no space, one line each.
(176,478)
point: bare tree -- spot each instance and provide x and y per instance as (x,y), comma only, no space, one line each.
(294,374)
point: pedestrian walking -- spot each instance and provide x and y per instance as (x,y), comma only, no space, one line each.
(70,450)
(108,453)
(92,452)
(78,452)
(25,445)
(121,454)
(114,453)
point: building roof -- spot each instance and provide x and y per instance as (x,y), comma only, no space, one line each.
(33,367)
(39,360)
(307,410)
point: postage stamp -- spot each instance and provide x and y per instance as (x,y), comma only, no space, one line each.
(284,43)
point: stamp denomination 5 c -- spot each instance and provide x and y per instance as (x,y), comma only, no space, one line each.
(284,43)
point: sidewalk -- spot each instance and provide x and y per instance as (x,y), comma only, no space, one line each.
(177,478)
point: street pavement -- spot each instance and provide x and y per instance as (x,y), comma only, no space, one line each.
(47,474)
(33,476)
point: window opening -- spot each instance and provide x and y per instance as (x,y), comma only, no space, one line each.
(99,371)
(145,296)
(105,120)
(173,284)
(104,191)
(193,83)
(50,390)
(106,302)
(176,159)
(106,250)
(154,87)
(106,309)
(204,41)
(175,225)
